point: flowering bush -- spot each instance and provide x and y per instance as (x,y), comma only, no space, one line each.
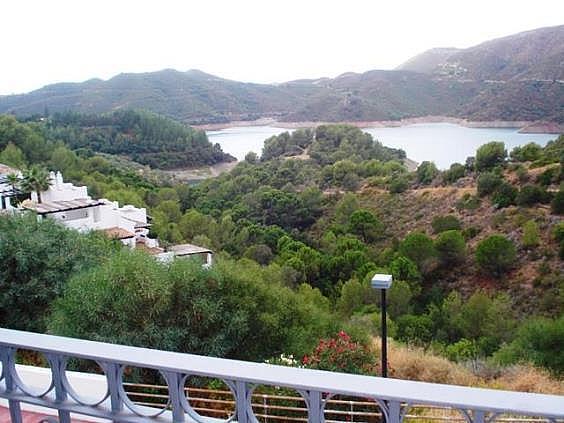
(341,354)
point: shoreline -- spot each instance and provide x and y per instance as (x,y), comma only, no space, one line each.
(527,127)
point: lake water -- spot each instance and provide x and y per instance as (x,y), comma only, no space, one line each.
(442,143)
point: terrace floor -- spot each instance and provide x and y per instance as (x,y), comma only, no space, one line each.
(30,417)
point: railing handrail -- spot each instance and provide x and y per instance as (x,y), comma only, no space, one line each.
(551,406)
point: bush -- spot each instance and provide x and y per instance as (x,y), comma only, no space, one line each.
(488,183)
(540,341)
(454,173)
(235,309)
(37,258)
(527,153)
(490,155)
(504,195)
(398,184)
(557,203)
(451,247)
(531,236)
(426,172)
(341,354)
(530,195)
(496,254)
(414,329)
(468,202)
(445,223)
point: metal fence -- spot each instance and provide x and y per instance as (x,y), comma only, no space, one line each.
(250,394)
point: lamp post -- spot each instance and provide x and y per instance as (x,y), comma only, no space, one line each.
(383,282)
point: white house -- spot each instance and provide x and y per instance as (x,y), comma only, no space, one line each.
(73,207)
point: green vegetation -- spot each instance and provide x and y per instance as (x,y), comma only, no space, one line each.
(490,155)
(297,241)
(228,311)
(37,260)
(496,254)
(145,137)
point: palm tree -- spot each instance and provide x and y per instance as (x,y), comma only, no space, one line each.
(36,179)
(13,180)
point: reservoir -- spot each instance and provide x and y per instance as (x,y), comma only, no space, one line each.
(442,143)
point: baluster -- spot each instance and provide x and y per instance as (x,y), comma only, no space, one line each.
(8,366)
(394,412)
(58,367)
(114,377)
(175,391)
(243,402)
(314,407)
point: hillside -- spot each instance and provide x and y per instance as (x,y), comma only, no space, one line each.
(511,78)
(535,55)
(143,137)
(428,61)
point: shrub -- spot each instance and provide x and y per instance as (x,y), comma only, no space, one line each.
(445,223)
(426,172)
(468,202)
(340,354)
(451,247)
(490,155)
(37,258)
(531,236)
(557,203)
(414,329)
(504,195)
(398,184)
(454,173)
(527,153)
(235,309)
(540,341)
(488,183)
(470,232)
(530,195)
(496,254)
(558,232)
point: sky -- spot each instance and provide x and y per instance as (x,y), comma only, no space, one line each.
(265,41)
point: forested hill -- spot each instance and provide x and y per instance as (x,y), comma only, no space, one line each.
(516,78)
(144,137)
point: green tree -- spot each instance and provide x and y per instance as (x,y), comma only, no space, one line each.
(496,254)
(12,156)
(365,224)
(454,173)
(490,155)
(451,247)
(426,172)
(38,257)
(419,248)
(35,178)
(488,183)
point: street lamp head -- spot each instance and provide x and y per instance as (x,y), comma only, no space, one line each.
(381,281)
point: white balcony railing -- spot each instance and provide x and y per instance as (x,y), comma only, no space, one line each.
(394,397)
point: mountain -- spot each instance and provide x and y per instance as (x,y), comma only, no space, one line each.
(536,55)
(516,78)
(428,61)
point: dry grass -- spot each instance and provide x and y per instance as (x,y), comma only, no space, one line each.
(413,363)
